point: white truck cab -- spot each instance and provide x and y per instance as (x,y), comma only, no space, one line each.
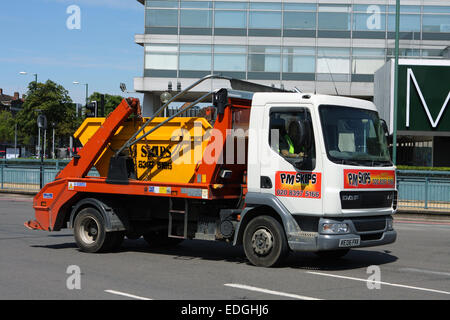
(322,163)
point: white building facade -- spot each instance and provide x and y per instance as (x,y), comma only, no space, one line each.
(323,46)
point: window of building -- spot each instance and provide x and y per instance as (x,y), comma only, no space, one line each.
(436,23)
(403,52)
(265,20)
(299,59)
(195,57)
(229,62)
(432,53)
(373,20)
(230,58)
(195,61)
(230,19)
(196,4)
(333,64)
(300,6)
(367,60)
(264,58)
(405,9)
(334,17)
(367,8)
(162,4)
(299,20)
(408,22)
(230,5)
(265,5)
(195,18)
(436,9)
(161,56)
(161,18)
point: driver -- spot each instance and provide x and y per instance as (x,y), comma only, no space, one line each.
(287,142)
(287,145)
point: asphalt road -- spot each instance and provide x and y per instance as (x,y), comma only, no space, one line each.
(34,265)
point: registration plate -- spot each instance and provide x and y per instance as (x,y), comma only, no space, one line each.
(349,242)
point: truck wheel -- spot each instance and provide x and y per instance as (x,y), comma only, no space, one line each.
(90,234)
(160,239)
(264,242)
(332,254)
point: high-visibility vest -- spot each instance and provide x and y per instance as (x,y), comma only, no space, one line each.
(290,143)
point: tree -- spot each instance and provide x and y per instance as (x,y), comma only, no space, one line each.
(52,100)
(111,101)
(6,126)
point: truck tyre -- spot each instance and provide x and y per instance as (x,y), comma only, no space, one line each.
(90,234)
(332,254)
(264,241)
(157,239)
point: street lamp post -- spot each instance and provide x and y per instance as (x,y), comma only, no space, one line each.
(394,134)
(42,124)
(25,73)
(15,141)
(87,89)
(53,140)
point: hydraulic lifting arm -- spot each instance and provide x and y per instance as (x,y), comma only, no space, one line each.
(81,163)
(51,198)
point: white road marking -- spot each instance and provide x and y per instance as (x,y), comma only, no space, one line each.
(379,282)
(127,295)
(277,293)
(438,273)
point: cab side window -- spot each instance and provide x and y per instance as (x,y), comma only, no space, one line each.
(291,135)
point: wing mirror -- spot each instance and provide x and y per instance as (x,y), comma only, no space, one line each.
(221,100)
(385,127)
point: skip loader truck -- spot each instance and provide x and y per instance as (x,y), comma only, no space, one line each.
(272,170)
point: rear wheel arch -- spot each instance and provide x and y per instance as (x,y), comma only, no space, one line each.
(112,218)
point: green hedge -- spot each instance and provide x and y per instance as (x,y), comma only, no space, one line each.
(401,167)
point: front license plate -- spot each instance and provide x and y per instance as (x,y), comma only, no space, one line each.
(349,242)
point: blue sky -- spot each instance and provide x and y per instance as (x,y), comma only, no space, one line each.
(35,39)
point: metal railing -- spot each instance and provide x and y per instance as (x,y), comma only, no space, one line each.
(24,175)
(423,190)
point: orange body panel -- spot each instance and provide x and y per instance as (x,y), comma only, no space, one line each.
(72,180)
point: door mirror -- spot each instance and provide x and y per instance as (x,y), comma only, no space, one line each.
(221,100)
(385,127)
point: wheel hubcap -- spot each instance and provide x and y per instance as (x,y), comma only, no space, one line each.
(262,242)
(89,230)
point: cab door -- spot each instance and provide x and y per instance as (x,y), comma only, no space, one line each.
(290,166)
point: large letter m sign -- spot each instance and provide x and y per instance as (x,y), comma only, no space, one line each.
(434,123)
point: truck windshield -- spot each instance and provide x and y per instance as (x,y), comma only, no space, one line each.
(354,136)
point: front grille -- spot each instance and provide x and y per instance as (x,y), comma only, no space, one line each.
(372,236)
(367,199)
(369,224)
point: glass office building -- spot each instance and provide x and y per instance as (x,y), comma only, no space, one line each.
(315,45)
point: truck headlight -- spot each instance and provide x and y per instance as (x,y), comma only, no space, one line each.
(390,224)
(334,228)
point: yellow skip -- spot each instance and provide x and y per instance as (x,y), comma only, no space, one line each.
(169,154)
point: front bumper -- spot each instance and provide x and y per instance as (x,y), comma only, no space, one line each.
(314,241)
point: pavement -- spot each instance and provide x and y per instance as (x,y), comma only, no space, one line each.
(44,265)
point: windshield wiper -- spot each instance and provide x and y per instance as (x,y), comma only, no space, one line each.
(350,162)
(385,163)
